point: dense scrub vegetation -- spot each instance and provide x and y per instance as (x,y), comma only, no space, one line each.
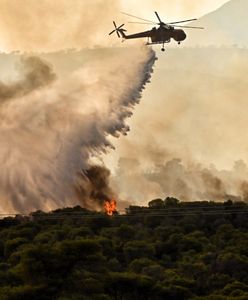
(169,250)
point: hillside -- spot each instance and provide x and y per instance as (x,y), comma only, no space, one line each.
(169,250)
(225,26)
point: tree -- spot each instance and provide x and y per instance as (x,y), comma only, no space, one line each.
(171,202)
(138,249)
(156,203)
(127,285)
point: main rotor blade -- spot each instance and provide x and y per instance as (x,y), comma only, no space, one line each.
(114,24)
(182,21)
(121,26)
(118,33)
(142,23)
(158,17)
(194,27)
(137,17)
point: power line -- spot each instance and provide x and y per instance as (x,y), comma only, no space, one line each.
(139,208)
(142,212)
(140,215)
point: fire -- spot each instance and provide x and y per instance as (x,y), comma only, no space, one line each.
(110,207)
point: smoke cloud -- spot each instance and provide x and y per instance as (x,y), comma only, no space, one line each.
(51,130)
(31,25)
(94,187)
(36,74)
(185,182)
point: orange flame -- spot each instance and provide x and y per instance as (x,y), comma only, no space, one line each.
(110,207)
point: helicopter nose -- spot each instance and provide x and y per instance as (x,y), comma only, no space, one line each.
(179,35)
(183,36)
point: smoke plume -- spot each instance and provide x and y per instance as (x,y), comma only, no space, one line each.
(36,74)
(185,182)
(51,130)
(94,187)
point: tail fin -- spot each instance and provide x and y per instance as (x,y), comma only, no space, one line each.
(122,32)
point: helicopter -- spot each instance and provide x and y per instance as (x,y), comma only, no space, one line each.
(160,35)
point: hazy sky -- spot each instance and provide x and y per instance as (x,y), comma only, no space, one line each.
(171,9)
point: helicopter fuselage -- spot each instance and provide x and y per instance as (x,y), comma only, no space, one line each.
(162,34)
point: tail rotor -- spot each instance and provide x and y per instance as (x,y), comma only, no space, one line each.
(118,29)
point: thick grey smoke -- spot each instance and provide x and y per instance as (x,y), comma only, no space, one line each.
(93,187)
(185,182)
(48,136)
(36,74)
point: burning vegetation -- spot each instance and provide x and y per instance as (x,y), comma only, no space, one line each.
(110,207)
